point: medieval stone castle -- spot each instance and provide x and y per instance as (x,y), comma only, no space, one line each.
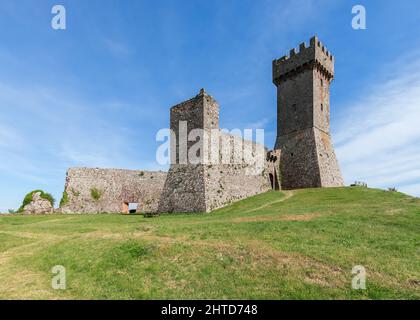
(303,156)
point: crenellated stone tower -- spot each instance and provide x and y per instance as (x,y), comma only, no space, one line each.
(303,118)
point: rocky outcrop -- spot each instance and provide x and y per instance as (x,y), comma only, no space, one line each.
(38,205)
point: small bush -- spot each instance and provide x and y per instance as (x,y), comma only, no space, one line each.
(359,184)
(11,211)
(75,193)
(28,198)
(64,199)
(95,193)
(134,249)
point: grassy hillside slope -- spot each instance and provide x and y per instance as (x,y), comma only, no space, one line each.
(290,245)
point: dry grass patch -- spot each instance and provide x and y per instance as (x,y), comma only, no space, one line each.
(287,217)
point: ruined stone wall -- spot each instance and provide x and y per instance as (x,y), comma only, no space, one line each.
(38,205)
(238,172)
(206,187)
(226,184)
(184,189)
(200,112)
(244,176)
(221,176)
(115,188)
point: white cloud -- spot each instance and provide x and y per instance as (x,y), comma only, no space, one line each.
(379,141)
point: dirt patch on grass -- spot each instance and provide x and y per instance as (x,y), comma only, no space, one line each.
(312,271)
(287,195)
(257,257)
(414,282)
(288,217)
(103,235)
(122,235)
(394,211)
(33,235)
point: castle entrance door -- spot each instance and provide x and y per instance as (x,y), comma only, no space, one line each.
(130,207)
(272,181)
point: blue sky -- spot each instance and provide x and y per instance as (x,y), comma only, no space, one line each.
(96,93)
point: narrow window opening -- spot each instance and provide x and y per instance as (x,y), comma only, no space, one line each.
(322,107)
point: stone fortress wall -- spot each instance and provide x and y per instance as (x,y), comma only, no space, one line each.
(303,155)
(188,187)
(241,177)
(221,176)
(116,188)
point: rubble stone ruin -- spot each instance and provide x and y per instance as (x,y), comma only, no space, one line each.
(38,205)
(303,156)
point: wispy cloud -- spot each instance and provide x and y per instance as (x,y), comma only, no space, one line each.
(9,137)
(43,131)
(379,139)
(259,124)
(117,48)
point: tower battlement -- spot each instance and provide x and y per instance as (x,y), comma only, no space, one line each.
(315,56)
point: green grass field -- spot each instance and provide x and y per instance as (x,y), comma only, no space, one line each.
(291,245)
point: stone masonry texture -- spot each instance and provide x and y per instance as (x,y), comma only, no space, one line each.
(115,188)
(206,186)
